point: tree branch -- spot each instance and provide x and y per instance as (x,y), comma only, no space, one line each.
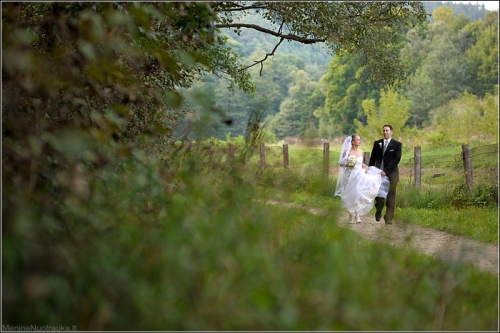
(272,33)
(265,58)
(244,8)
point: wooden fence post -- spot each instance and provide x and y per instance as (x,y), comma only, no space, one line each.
(285,155)
(467,166)
(262,157)
(417,167)
(326,160)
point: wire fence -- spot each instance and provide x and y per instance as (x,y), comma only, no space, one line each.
(441,168)
(433,169)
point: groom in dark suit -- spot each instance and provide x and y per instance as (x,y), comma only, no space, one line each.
(386,154)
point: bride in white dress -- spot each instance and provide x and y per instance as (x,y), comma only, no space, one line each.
(357,184)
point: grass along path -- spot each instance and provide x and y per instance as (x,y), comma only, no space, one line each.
(428,241)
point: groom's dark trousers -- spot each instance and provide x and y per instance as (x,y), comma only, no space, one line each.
(391,159)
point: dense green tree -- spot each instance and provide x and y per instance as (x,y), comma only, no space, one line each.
(315,101)
(326,126)
(443,75)
(416,48)
(295,114)
(288,121)
(448,70)
(394,110)
(467,37)
(444,60)
(454,121)
(421,94)
(274,83)
(344,94)
(483,57)
(445,15)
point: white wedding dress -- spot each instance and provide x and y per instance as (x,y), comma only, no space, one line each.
(360,189)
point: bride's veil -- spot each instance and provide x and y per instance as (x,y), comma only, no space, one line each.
(344,154)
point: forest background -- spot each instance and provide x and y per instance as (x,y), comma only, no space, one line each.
(304,93)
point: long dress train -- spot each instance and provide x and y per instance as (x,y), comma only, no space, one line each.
(360,189)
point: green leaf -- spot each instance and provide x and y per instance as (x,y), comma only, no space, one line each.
(173,99)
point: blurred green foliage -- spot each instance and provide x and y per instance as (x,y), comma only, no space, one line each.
(208,256)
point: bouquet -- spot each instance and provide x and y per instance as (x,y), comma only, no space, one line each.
(351,161)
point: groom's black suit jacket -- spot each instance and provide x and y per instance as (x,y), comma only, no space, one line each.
(391,158)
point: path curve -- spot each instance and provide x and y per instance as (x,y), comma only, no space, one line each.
(429,241)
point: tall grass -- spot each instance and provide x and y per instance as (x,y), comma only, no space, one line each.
(181,243)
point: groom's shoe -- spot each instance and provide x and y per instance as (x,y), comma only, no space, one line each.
(378,216)
(388,221)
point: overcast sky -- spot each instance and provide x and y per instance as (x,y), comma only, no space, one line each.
(489,5)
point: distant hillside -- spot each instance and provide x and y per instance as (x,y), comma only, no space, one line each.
(474,11)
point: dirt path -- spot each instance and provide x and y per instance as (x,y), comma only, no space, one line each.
(425,240)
